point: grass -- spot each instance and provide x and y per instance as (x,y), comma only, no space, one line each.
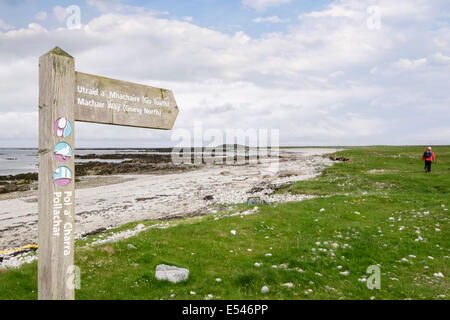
(402,215)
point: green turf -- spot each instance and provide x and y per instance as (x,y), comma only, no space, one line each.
(402,214)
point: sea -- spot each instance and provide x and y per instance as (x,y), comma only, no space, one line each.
(24,160)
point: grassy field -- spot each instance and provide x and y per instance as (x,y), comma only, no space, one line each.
(379,208)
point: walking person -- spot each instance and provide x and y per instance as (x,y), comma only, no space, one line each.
(429,157)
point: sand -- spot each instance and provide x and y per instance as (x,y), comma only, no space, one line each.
(111,201)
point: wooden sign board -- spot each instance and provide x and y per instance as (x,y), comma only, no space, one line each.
(66,96)
(109,101)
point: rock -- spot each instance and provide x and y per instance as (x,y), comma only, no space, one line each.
(233,232)
(257,264)
(438,275)
(335,245)
(265,289)
(209,297)
(171,273)
(130,246)
(288,285)
(344,273)
(208,198)
(218,280)
(268,254)
(192,293)
(339,158)
(288,173)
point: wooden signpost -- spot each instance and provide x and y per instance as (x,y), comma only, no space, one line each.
(66,96)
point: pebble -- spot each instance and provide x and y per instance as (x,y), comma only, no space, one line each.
(287,285)
(265,289)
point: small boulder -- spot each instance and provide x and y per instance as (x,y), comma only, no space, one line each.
(171,273)
(265,289)
(288,285)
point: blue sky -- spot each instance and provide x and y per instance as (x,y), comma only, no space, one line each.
(337,72)
(226,16)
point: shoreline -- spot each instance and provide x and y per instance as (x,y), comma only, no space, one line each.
(112,201)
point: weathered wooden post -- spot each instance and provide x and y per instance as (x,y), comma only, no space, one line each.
(66,96)
(56,175)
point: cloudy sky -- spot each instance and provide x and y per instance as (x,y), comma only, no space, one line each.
(344,72)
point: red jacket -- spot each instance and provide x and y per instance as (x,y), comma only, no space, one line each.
(432,158)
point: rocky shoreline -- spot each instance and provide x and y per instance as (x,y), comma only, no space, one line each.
(165,191)
(138,164)
(135,163)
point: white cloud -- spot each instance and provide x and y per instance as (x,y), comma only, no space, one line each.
(188,19)
(406,64)
(328,80)
(60,13)
(5,26)
(261,5)
(272,19)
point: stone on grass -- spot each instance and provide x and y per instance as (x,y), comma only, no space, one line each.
(265,289)
(287,285)
(130,246)
(171,273)
(233,232)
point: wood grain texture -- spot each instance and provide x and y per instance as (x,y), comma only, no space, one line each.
(109,101)
(56,96)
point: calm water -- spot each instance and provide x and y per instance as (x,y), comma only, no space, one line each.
(21,160)
(15,161)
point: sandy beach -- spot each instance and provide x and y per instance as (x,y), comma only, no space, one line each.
(111,201)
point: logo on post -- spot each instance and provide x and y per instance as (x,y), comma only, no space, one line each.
(63,127)
(62,176)
(63,152)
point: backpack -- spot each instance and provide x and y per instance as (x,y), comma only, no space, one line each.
(427,154)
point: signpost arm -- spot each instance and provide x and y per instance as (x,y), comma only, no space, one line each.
(56,175)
